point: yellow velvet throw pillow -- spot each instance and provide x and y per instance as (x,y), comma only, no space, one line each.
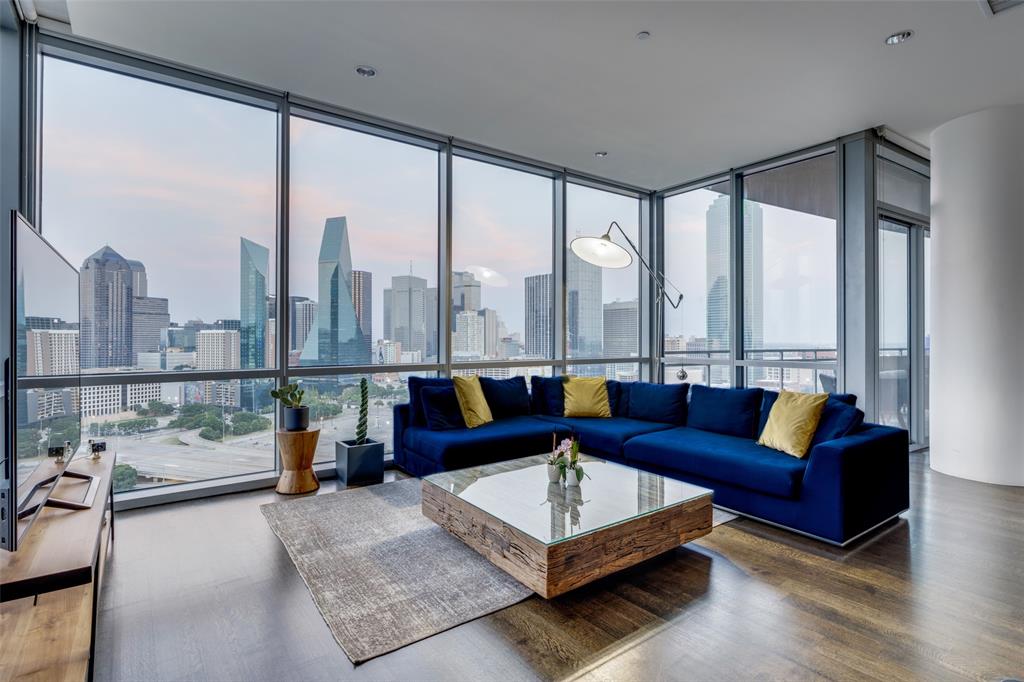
(586,397)
(472,404)
(792,422)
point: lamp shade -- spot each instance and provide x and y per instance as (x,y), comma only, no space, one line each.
(601,251)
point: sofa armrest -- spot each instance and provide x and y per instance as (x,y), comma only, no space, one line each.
(402,419)
(864,477)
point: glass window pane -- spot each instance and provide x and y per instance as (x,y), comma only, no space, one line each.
(927,330)
(893,325)
(718,376)
(620,371)
(901,186)
(602,305)
(362,250)
(502,290)
(166,200)
(789,264)
(182,432)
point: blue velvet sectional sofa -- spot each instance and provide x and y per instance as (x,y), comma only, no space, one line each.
(854,479)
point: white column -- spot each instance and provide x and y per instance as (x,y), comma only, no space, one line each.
(977,303)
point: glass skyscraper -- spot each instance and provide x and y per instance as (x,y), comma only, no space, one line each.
(255,264)
(106,310)
(538,315)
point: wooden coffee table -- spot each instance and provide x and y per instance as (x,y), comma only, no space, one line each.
(554,538)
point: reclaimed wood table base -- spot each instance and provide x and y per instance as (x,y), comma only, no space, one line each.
(553,568)
(297,451)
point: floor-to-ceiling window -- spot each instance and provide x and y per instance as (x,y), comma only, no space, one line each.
(894,370)
(697,254)
(789,303)
(165,199)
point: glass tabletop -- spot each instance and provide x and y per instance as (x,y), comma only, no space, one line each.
(518,493)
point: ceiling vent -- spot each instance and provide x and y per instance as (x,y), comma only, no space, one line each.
(993,7)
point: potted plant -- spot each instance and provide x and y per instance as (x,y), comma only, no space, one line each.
(360,460)
(556,460)
(296,415)
(573,467)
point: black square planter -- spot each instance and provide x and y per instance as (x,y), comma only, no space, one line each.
(359,464)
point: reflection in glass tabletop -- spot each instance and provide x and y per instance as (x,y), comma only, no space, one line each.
(518,493)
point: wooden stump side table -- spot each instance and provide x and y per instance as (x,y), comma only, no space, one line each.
(297,451)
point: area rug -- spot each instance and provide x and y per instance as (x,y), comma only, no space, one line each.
(383,575)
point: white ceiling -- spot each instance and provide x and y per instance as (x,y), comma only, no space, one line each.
(718,85)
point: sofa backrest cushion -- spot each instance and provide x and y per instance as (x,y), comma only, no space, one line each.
(665,403)
(618,397)
(729,411)
(840,417)
(419,417)
(441,408)
(506,397)
(547,396)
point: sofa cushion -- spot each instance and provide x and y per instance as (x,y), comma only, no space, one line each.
(493,442)
(840,417)
(618,397)
(793,420)
(419,418)
(441,408)
(506,397)
(728,411)
(586,397)
(547,396)
(605,437)
(737,461)
(472,402)
(665,403)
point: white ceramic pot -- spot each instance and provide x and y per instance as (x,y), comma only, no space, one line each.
(554,473)
(570,478)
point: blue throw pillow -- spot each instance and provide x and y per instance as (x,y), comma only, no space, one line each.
(547,396)
(665,403)
(837,419)
(848,399)
(441,408)
(614,391)
(506,397)
(729,411)
(419,417)
(621,408)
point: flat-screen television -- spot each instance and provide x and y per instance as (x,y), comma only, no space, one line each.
(41,376)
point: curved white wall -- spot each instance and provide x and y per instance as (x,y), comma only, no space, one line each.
(977,297)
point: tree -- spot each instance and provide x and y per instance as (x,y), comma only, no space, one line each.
(247,422)
(210,433)
(125,477)
(155,408)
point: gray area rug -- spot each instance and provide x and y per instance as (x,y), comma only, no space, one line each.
(382,574)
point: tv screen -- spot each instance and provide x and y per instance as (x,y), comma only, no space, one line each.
(45,348)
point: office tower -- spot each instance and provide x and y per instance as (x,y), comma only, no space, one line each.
(468,339)
(430,313)
(98,401)
(271,306)
(167,360)
(508,348)
(271,345)
(234,325)
(408,298)
(106,310)
(465,291)
(303,320)
(336,338)
(42,323)
(584,316)
(51,352)
(362,302)
(40,404)
(140,395)
(218,349)
(621,329)
(491,327)
(140,282)
(386,328)
(254,267)
(539,314)
(388,352)
(149,319)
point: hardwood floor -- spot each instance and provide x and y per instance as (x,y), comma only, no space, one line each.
(205,591)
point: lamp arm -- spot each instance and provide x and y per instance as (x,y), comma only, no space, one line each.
(660,280)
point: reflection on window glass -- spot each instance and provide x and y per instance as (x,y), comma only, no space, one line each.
(166,201)
(182,432)
(893,325)
(789,269)
(502,289)
(46,418)
(362,250)
(602,305)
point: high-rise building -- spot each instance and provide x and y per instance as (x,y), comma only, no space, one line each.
(336,338)
(51,352)
(492,326)
(36,322)
(97,401)
(430,322)
(465,292)
(539,313)
(271,345)
(218,349)
(621,329)
(254,268)
(388,352)
(584,316)
(405,306)
(302,321)
(468,339)
(149,319)
(140,282)
(140,395)
(362,301)
(106,298)
(167,360)
(271,306)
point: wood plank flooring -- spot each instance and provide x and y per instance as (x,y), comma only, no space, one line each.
(205,591)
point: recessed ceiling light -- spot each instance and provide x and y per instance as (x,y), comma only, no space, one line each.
(643,35)
(600,155)
(366,71)
(899,37)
